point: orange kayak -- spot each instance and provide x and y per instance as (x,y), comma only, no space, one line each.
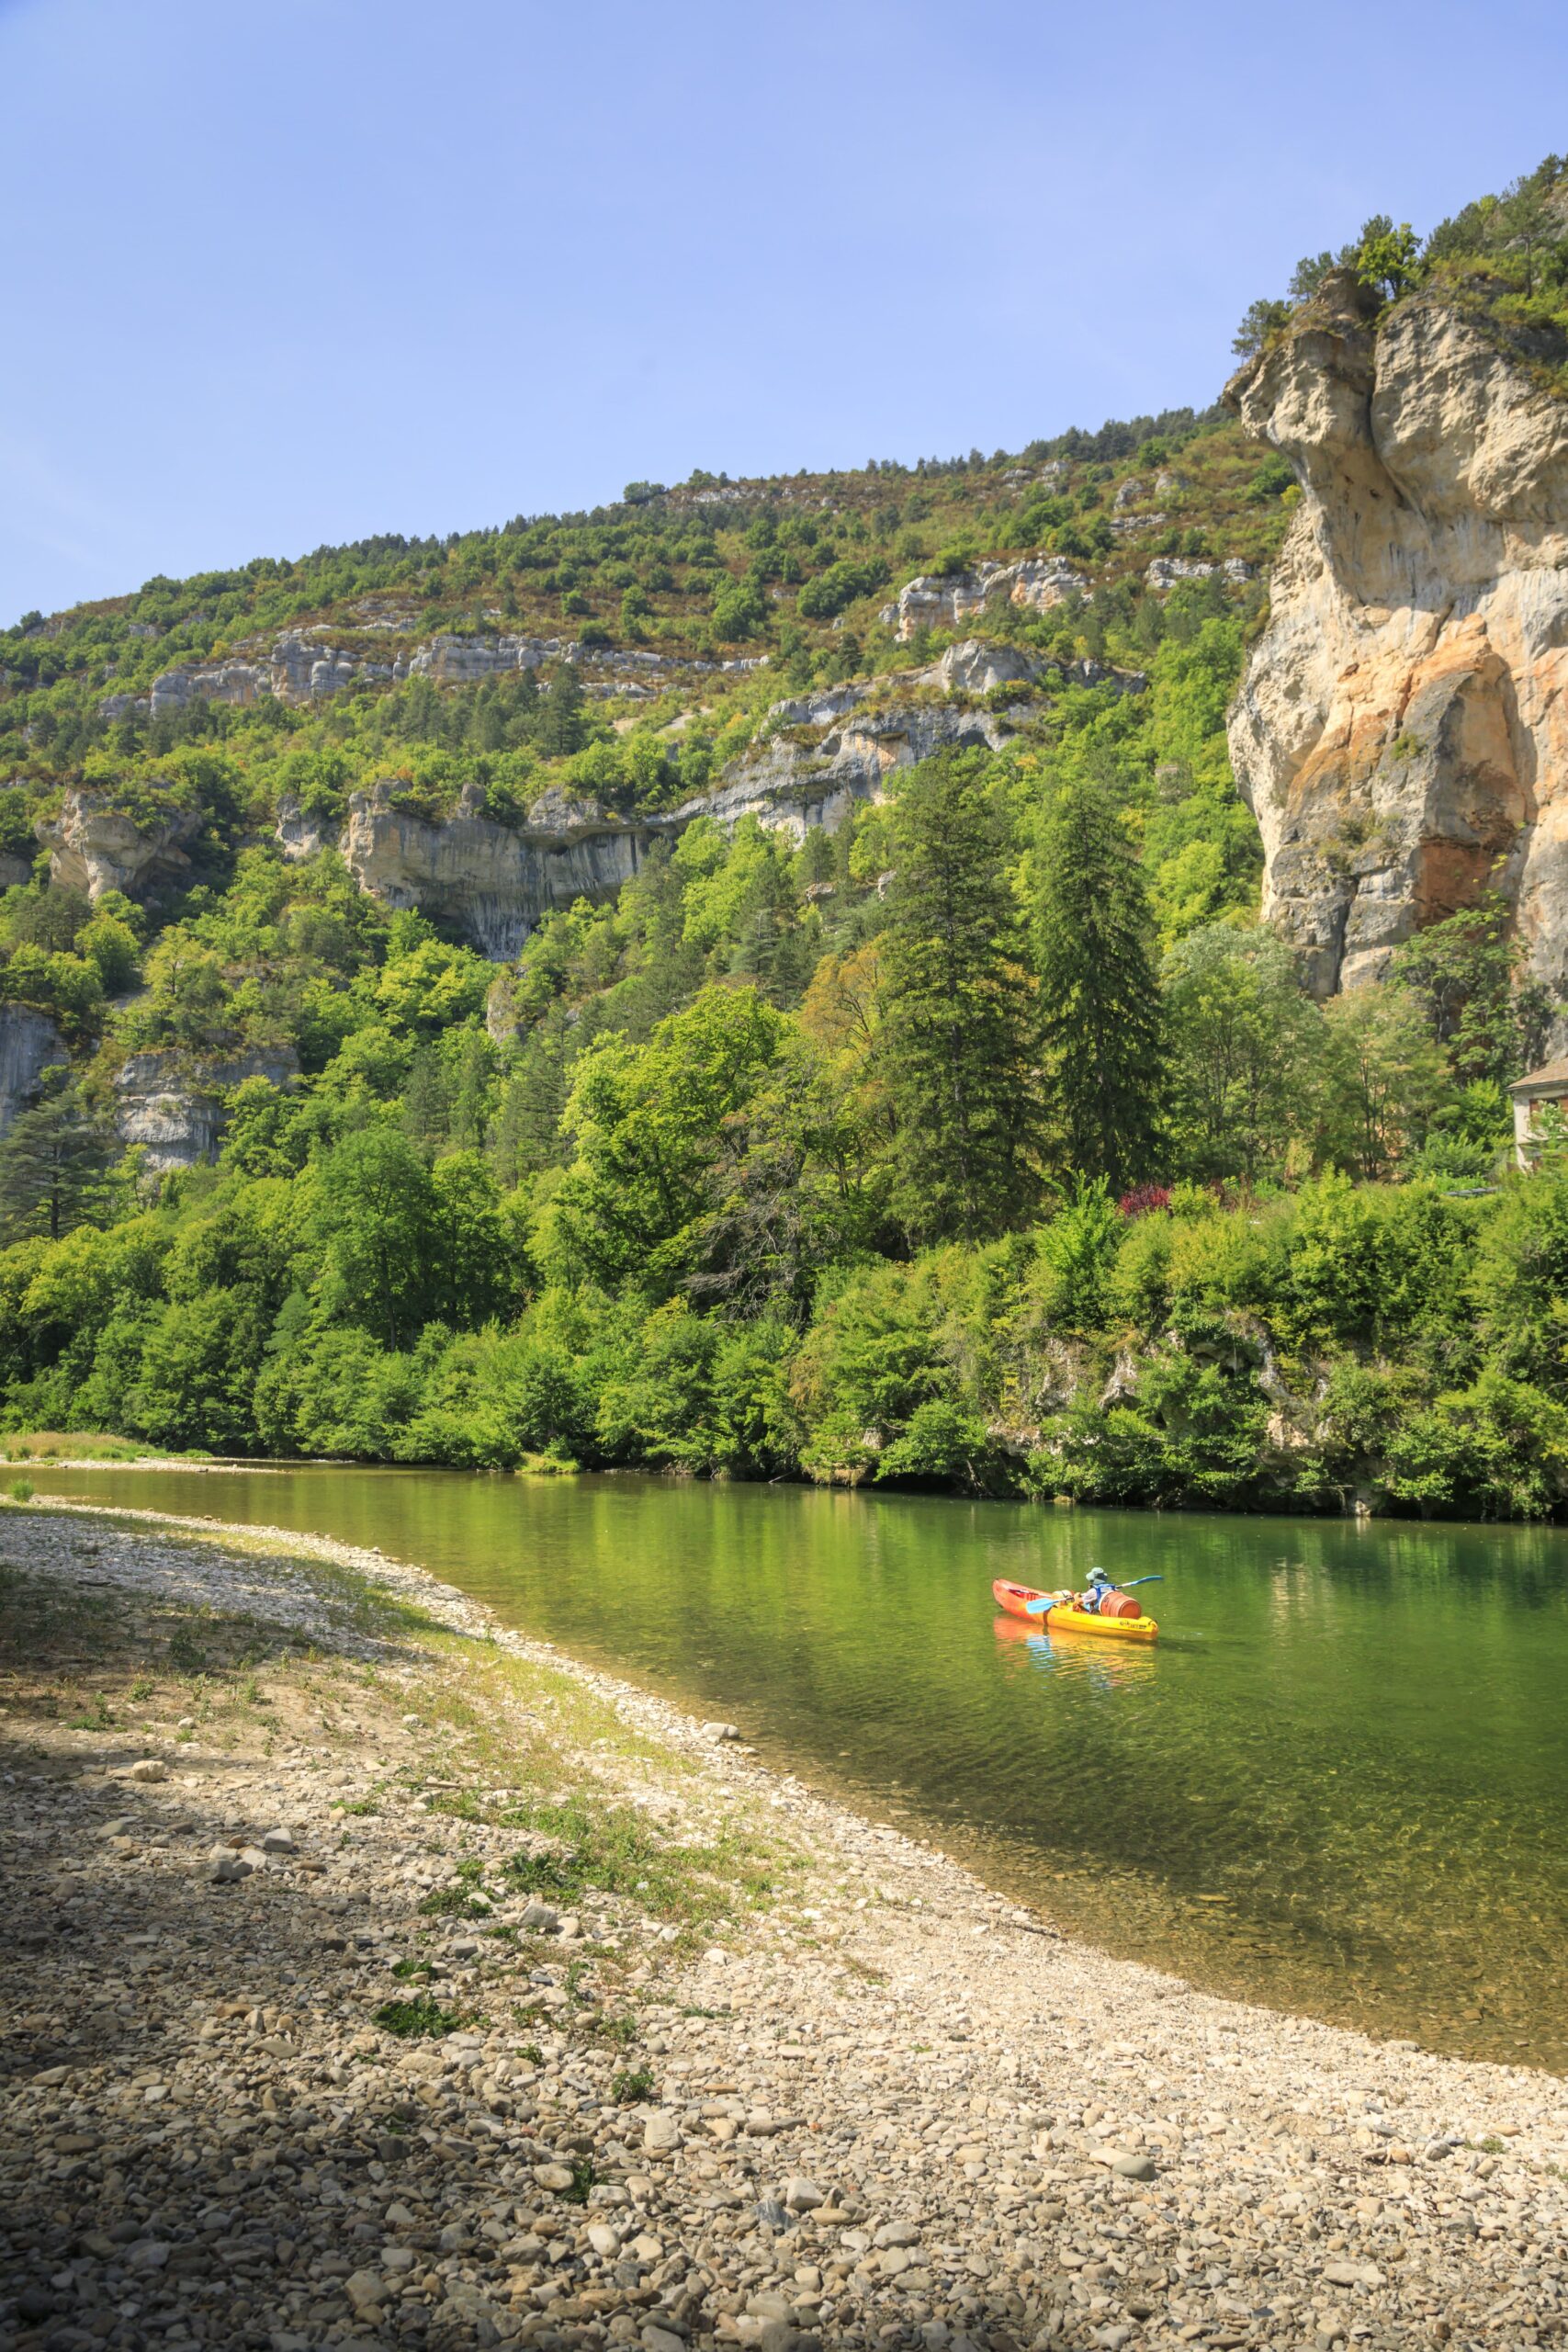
(1015,1599)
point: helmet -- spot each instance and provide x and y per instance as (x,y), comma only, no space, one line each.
(1098,1576)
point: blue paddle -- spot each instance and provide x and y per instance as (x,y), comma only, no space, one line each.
(1038,1608)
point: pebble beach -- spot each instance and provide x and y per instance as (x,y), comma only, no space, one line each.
(376,1976)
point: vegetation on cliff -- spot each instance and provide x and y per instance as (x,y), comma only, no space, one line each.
(1502,259)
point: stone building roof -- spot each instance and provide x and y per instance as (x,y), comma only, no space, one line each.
(1552,1077)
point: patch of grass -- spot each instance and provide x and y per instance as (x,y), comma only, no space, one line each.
(631,2085)
(186,1652)
(532,2053)
(584,2177)
(413,1968)
(362,1806)
(99,1720)
(611,1847)
(421,2018)
(621,2030)
(454,1903)
(21,1490)
(460,1804)
(143,1688)
(547,1465)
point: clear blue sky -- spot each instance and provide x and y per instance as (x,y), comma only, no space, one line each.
(288,275)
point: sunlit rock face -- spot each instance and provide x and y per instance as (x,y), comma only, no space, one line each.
(1401,729)
(492,883)
(94,847)
(819,753)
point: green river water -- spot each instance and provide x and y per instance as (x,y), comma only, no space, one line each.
(1337,1784)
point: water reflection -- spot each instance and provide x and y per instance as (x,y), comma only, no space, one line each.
(1098,1664)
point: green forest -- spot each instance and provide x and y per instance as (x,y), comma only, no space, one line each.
(986,1140)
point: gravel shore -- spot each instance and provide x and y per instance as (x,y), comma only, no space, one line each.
(375,1976)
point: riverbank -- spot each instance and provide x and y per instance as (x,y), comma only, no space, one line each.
(379,1976)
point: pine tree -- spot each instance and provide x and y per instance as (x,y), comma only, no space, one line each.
(470,1092)
(427,1099)
(957,1044)
(53,1164)
(1099,990)
(561,730)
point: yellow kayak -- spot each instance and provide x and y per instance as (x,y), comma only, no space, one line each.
(1015,1599)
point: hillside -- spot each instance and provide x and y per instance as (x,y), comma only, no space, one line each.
(432,675)
(766,978)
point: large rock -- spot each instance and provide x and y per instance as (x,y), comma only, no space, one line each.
(979,667)
(948,601)
(1401,730)
(29,1044)
(825,752)
(174,1105)
(95,847)
(493,882)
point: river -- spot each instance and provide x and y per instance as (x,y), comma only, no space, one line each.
(1337,1784)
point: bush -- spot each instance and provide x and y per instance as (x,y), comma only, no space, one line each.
(822,598)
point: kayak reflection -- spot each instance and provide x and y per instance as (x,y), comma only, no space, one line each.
(1085,1659)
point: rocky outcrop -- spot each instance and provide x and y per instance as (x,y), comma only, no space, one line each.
(175,1108)
(823,752)
(29,1044)
(818,753)
(1401,730)
(493,882)
(1166,570)
(949,600)
(94,847)
(302,667)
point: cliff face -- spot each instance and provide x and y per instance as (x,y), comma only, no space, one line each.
(1401,730)
(303,666)
(95,847)
(493,882)
(29,1044)
(824,750)
(175,1108)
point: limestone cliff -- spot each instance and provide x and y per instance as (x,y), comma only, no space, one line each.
(29,1044)
(95,847)
(824,750)
(492,882)
(304,666)
(819,752)
(1401,729)
(175,1107)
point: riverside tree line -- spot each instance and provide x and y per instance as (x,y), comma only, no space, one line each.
(940,1148)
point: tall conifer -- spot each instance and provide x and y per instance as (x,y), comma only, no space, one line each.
(957,1045)
(1100,1005)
